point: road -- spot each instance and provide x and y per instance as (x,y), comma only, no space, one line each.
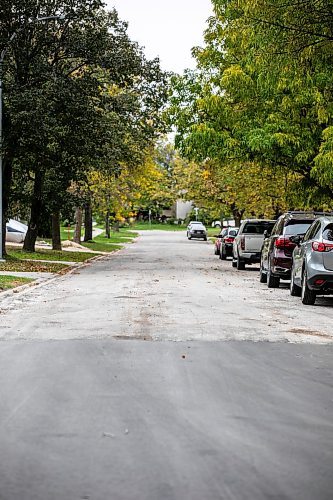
(162,373)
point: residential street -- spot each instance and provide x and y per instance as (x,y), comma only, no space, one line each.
(162,373)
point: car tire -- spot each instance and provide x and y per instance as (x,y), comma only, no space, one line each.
(234,262)
(308,296)
(262,275)
(295,290)
(216,252)
(240,264)
(272,281)
(222,254)
(205,239)
(189,238)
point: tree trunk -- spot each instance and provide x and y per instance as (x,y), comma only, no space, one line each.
(78,224)
(88,226)
(36,208)
(3,242)
(238,214)
(56,239)
(107,225)
(6,187)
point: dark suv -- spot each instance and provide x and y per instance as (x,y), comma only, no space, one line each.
(277,250)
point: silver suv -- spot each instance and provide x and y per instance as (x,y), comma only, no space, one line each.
(312,270)
(247,244)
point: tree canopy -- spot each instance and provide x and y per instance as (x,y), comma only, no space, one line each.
(78,95)
(259,106)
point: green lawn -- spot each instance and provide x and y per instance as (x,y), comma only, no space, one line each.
(162,227)
(46,254)
(18,260)
(121,237)
(28,266)
(101,246)
(211,231)
(7,282)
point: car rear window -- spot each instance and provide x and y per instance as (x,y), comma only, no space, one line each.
(258,227)
(297,227)
(328,233)
(233,232)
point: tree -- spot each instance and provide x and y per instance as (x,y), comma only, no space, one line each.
(262,98)
(60,79)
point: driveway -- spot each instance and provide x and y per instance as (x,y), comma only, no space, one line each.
(162,373)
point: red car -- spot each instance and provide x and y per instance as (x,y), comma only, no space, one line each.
(218,240)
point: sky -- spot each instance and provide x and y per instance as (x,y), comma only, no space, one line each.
(167,29)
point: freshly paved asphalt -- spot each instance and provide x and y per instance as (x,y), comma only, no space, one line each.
(97,401)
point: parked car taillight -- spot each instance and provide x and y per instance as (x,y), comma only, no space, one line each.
(318,246)
(242,242)
(284,243)
(228,240)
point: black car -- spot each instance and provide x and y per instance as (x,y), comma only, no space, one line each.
(277,251)
(227,241)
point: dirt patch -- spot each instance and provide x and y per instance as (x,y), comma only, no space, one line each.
(304,331)
(133,337)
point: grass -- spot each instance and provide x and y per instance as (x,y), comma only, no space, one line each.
(116,237)
(211,231)
(18,260)
(122,237)
(16,265)
(141,226)
(8,282)
(45,254)
(101,246)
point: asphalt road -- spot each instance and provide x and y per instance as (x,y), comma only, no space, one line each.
(162,373)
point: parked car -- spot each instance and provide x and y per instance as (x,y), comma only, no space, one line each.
(226,223)
(217,244)
(227,241)
(216,223)
(312,269)
(196,229)
(277,250)
(15,231)
(247,244)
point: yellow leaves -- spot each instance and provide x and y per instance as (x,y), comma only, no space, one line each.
(235,79)
(323,116)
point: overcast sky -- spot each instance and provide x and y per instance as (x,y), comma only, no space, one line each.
(167,29)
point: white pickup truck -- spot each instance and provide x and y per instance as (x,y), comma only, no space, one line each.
(248,242)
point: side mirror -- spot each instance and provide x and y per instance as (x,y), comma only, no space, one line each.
(266,234)
(297,238)
(218,235)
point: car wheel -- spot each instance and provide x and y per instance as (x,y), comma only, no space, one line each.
(205,238)
(234,262)
(217,252)
(272,281)
(240,264)
(262,274)
(295,290)
(189,238)
(308,296)
(224,256)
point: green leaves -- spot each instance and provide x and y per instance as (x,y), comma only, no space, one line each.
(79,94)
(263,96)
